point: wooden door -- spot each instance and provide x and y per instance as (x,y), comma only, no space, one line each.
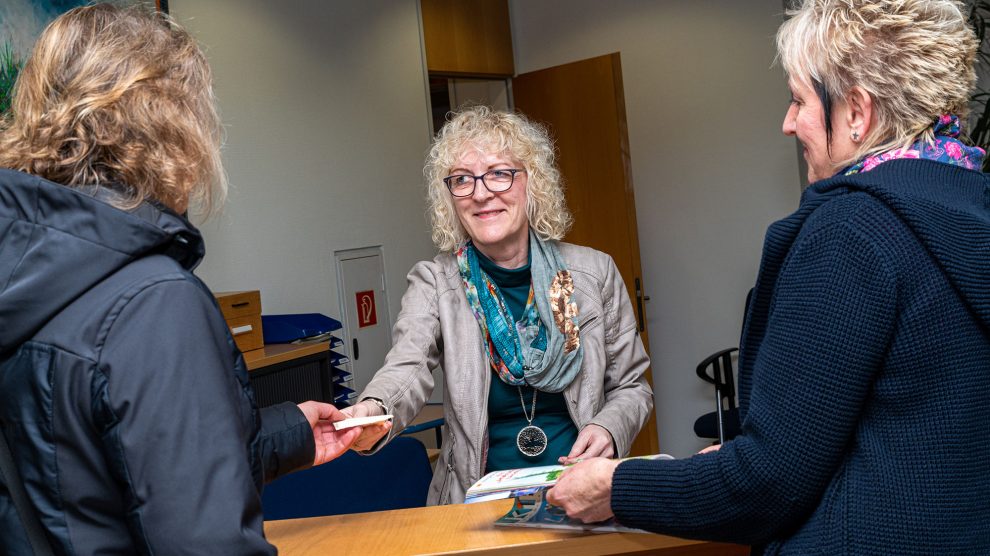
(582,104)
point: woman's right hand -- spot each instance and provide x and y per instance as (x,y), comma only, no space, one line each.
(370,434)
(711,448)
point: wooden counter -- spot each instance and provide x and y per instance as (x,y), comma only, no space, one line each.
(464,529)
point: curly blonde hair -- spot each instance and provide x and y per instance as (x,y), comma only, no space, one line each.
(914,57)
(119,96)
(484,129)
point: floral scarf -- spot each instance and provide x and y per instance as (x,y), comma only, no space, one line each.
(946,148)
(527,351)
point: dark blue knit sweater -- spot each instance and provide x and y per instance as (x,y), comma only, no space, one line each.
(863,381)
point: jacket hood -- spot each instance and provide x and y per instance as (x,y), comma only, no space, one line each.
(57,242)
(948,210)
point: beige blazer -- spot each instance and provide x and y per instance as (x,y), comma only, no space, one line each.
(436,327)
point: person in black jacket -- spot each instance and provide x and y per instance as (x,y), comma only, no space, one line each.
(123,398)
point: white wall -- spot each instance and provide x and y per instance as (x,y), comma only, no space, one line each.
(710,167)
(327,128)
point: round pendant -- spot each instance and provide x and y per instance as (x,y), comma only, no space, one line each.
(531,441)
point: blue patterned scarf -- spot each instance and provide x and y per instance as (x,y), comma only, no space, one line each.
(527,351)
(946,148)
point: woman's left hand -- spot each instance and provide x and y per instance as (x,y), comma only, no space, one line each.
(592,441)
(585,490)
(330,443)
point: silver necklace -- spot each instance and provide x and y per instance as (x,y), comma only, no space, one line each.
(531,439)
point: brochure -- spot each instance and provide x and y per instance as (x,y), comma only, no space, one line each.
(530,509)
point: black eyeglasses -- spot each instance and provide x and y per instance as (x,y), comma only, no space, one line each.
(496,181)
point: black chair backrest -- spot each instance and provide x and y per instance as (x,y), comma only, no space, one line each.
(720,364)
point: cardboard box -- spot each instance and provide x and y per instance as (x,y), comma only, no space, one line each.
(242,311)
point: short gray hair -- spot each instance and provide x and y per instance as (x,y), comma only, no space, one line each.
(914,57)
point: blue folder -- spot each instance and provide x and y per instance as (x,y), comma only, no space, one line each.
(283,329)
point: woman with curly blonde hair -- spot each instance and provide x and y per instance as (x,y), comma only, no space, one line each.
(124,402)
(540,351)
(866,343)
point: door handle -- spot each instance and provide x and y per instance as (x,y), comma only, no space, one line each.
(355,352)
(639,305)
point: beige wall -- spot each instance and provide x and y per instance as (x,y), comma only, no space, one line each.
(327,127)
(710,167)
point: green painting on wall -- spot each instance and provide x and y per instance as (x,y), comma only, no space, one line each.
(21,22)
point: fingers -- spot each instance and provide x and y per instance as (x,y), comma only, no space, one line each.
(595,448)
(331,443)
(349,436)
(592,441)
(370,435)
(345,439)
(711,448)
(601,446)
(331,413)
(318,411)
(584,491)
(580,445)
(577,450)
(365,409)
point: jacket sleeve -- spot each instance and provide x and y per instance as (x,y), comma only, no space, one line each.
(830,322)
(286,440)
(628,396)
(178,427)
(405,382)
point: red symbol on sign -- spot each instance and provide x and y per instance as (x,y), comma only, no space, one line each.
(366,309)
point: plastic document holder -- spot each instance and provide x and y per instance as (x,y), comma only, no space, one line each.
(284,329)
(343,394)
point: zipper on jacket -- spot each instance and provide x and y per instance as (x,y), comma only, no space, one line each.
(445,487)
(572,404)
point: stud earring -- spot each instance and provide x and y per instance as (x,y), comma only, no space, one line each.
(855,136)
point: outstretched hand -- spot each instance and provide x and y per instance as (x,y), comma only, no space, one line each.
(330,443)
(370,434)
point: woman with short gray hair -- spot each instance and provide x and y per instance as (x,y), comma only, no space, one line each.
(866,343)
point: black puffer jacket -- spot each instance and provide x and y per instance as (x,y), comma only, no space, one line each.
(122,395)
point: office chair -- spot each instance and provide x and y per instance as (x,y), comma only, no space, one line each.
(398,476)
(723,423)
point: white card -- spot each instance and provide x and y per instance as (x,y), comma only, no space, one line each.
(360,421)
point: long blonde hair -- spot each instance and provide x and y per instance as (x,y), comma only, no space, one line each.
(118,96)
(494,131)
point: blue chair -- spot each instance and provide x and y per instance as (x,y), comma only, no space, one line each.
(398,476)
(435,424)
